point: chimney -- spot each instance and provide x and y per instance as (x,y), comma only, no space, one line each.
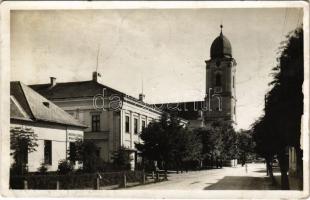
(141,97)
(53,81)
(95,76)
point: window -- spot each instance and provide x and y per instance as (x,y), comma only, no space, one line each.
(218,81)
(95,122)
(136,126)
(72,151)
(233,81)
(48,152)
(143,124)
(127,124)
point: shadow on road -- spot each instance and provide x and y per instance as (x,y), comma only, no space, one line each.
(264,171)
(242,183)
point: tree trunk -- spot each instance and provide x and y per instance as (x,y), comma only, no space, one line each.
(270,170)
(299,155)
(283,162)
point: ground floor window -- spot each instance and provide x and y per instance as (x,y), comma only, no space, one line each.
(72,151)
(48,152)
(143,124)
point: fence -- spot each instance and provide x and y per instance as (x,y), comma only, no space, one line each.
(85,181)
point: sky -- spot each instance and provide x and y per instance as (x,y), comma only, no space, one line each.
(165,49)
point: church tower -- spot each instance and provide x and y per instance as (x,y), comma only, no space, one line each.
(220,82)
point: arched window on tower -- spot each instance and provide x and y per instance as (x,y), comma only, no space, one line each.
(218,80)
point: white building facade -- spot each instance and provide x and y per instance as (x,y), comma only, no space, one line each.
(114,119)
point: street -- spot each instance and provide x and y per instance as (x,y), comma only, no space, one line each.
(227,178)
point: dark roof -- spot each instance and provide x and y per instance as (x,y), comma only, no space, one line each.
(72,89)
(221,47)
(16,111)
(26,104)
(80,89)
(186,110)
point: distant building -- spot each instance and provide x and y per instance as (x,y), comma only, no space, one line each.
(220,96)
(114,118)
(55,129)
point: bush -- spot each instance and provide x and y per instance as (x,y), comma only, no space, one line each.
(42,169)
(65,167)
(121,159)
(86,152)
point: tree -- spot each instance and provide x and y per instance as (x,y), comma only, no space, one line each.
(168,143)
(230,141)
(280,126)
(64,167)
(212,144)
(87,153)
(266,143)
(245,145)
(121,159)
(22,142)
(219,142)
(193,156)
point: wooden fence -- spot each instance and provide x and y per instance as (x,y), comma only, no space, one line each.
(87,181)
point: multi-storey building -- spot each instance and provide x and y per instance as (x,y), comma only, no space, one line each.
(114,118)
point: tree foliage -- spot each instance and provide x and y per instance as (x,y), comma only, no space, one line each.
(245,145)
(280,126)
(86,152)
(219,141)
(22,142)
(121,159)
(64,167)
(169,143)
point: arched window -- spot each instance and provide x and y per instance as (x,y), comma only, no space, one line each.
(218,81)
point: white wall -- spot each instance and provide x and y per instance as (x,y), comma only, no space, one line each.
(112,123)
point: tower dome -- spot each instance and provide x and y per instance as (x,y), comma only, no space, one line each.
(221,47)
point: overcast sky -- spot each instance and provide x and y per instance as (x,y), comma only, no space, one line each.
(166,47)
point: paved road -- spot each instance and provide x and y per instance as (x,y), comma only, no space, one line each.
(228,178)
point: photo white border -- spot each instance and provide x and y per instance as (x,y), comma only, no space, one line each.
(6,7)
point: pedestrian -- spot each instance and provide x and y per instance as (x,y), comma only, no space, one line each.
(246,168)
